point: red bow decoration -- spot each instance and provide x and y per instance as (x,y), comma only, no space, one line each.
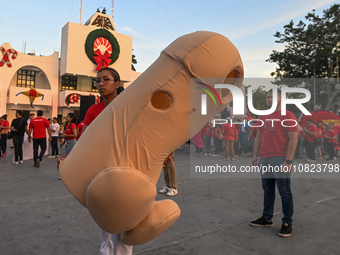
(102,60)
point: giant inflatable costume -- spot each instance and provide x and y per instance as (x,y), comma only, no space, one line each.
(113,169)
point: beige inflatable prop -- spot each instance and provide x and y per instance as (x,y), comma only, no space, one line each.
(113,169)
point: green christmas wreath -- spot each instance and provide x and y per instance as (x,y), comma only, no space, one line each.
(107,35)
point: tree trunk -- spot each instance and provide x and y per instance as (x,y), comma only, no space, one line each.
(330,103)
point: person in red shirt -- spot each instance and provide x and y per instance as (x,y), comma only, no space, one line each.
(70,132)
(218,138)
(80,129)
(298,151)
(229,136)
(331,136)
(39,126)
(206,135)
(276,144)
(319,142)
(108,85)
(4,129)
(237,142)
(311,138)
(251,137)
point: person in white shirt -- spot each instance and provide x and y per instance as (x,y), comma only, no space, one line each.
(55,135)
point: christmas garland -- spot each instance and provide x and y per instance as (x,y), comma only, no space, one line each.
(107,35)
(72,99)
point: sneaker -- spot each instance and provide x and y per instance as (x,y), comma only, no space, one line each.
(236,156)
(165,189)
(172,192)
(37,163)
(206,154)
(226,159)
(16,163)
(261,222)
(57,156)
(233,159)
(286,230)
(21,161)
(59,178)
(213,155)
(4,154)
(311,161)
(52,156)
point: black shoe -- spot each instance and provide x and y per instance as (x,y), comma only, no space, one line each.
(261,222)
(37,163)
(286,230)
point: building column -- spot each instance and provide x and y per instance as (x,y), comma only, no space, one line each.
(55,103)
(3,100)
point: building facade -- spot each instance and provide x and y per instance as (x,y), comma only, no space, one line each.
(56,83)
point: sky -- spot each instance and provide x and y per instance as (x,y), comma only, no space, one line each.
(154,24)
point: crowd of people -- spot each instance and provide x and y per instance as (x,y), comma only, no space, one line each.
(315,140)
(268,145)
(37,130)
(234,139)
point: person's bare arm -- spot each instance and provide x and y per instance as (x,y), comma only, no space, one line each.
(49,133)
(29,135)
(309,132)
(168,158)
(257,147)
(27,132)
(53,130)
(251,132)
(293,140)
(84,127)
(73,135)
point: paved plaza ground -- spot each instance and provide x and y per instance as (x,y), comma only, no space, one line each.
(39,216)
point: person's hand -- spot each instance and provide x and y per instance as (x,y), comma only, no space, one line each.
(286,167)
(167,160)
(248,138)
(63,135)
(60,159)
(29,139)
(254,161)
(50,139)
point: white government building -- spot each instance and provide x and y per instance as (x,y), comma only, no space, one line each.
(62,81)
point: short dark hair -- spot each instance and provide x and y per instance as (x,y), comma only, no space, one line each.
(19,112)
(319,121)
(40,113)
(32,114)
(4,116)
(55,118)
(310,120)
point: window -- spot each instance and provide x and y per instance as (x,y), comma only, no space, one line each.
(94,87)
(26,78)
(69,82)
